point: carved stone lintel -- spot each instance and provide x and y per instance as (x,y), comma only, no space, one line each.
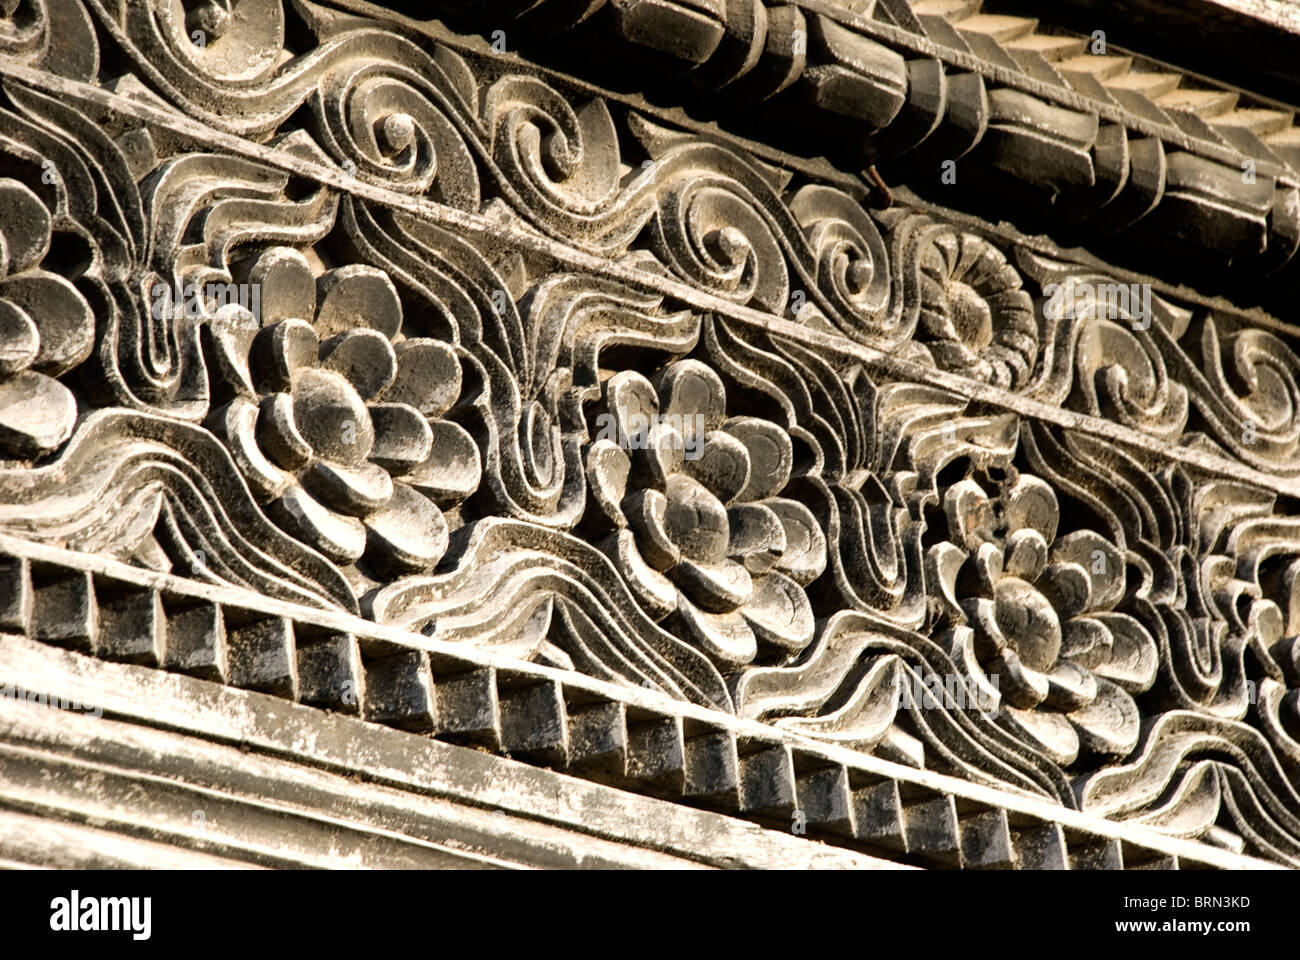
(350,361)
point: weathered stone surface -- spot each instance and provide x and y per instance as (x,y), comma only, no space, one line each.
(408,381)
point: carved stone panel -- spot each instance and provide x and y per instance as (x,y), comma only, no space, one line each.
(373,358)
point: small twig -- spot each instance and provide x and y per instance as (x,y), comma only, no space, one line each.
(876,180)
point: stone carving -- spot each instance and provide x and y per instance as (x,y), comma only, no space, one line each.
(1039,616)
(699,529)
(536,372)
(1051,125)
(46,328)
(334,428)
(977,318)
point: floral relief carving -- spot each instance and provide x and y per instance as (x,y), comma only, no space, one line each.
(1040,611)
(336,427)
(539,372)
(976,318)
(699,527)
(46,329)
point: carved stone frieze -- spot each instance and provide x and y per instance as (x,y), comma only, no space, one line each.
(466,368)
(1078,128)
